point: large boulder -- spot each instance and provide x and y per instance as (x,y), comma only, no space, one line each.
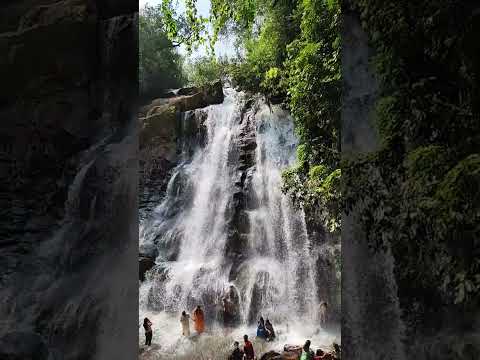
(290,355)
(271,355)
(186,99)
(292,349)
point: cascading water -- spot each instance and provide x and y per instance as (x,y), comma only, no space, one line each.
(224,221)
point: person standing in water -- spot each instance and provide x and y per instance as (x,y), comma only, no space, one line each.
(248,348)
(323,313)
(185,321)
(236,354)
(307,354)
(199,320)
(270,331)
(147,325)
(261,331)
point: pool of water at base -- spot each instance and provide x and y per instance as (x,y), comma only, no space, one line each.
(217,342)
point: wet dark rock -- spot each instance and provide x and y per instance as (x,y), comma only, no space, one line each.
(148,250)
(271,355)
(243,156)
(290,355)
(291,352)
(145,263)
(329,290)
(70,203)
(22,346)
(193,131)
(259,295)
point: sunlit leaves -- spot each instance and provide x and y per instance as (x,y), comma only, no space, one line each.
(188,28)
(203,70)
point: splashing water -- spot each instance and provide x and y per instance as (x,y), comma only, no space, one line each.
(224,221)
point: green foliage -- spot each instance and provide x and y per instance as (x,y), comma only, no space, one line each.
(204,70)
(313,93)
(419,193)
(261,69)
(188,29)
(291,55)
(160,66)
(289,52)
(235,15)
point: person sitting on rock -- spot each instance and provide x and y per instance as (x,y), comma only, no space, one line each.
(199,320)
(270,331)
(307,354)
(185,321)
(261,331)
(248,348)
(236,354)
(147,325)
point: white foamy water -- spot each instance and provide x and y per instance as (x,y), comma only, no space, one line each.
(276,277)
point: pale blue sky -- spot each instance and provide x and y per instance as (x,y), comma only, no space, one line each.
(223,47)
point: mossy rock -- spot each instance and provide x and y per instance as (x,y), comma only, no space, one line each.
(159,127)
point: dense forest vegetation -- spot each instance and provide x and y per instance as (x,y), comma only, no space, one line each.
(420,190)
(289,52)
(424,198)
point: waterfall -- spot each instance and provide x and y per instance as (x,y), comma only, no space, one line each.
(224,222)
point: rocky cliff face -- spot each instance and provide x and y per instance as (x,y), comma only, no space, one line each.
(69,213)
(171,127)
(243,156)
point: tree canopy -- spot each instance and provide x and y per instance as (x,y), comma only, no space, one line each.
(160,64)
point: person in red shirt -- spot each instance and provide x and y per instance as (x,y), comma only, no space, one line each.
(248,348)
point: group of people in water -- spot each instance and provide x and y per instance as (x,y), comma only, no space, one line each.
(306,353)
(248,353)
(265,330)
(198,319)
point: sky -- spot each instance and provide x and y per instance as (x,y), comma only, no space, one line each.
(223,47)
